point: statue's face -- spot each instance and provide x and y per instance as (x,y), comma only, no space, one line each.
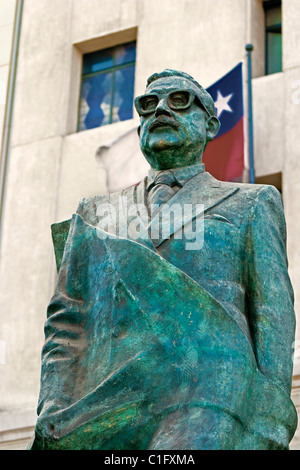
(174,126)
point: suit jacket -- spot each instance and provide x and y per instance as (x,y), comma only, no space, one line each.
(236,288)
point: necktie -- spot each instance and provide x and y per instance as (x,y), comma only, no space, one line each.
(162,189)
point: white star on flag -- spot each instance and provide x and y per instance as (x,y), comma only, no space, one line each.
(222,103)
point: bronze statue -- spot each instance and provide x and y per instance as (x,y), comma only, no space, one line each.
(172,323)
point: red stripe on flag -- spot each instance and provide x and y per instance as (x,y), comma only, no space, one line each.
(224,156)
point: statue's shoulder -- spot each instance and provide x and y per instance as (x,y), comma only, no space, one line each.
(242,190)
(247,187)
(254,200)
(253,191)
(87,209)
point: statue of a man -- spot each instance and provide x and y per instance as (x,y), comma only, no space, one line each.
(172,323)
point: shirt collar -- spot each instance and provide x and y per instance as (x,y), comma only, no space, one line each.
(182,174)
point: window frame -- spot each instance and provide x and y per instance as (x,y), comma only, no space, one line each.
(113,69)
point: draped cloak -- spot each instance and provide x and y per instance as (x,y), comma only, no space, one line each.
(133,336)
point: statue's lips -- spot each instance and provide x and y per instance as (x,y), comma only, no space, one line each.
(163,122)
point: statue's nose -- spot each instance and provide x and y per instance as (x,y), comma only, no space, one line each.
(162,108)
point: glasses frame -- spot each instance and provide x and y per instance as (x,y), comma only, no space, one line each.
(192,96)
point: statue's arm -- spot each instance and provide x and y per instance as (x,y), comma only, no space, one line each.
(268,288)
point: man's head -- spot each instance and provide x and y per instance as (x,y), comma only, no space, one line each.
(177,120)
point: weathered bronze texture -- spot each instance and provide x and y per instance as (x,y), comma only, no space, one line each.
(171,332)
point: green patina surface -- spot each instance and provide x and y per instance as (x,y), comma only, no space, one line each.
(60,233)
(153,346)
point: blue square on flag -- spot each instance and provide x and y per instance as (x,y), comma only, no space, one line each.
(224,156)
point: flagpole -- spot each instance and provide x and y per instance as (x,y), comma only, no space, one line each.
(249,49)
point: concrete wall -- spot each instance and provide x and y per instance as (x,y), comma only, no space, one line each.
(7,17)
(51,166)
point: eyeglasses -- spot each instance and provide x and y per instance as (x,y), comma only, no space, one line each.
(177,100)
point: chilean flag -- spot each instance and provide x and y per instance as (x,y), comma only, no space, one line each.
(224,156)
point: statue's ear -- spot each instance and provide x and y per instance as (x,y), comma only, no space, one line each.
(212,127)
(139,130)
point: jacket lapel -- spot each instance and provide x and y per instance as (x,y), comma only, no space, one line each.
(136,214)
(199,194)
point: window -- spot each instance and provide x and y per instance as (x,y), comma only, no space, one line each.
(107,86)
(275,179)
(273,19)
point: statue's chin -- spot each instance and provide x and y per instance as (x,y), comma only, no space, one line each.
(162,157)
(160,144)
(163,160)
